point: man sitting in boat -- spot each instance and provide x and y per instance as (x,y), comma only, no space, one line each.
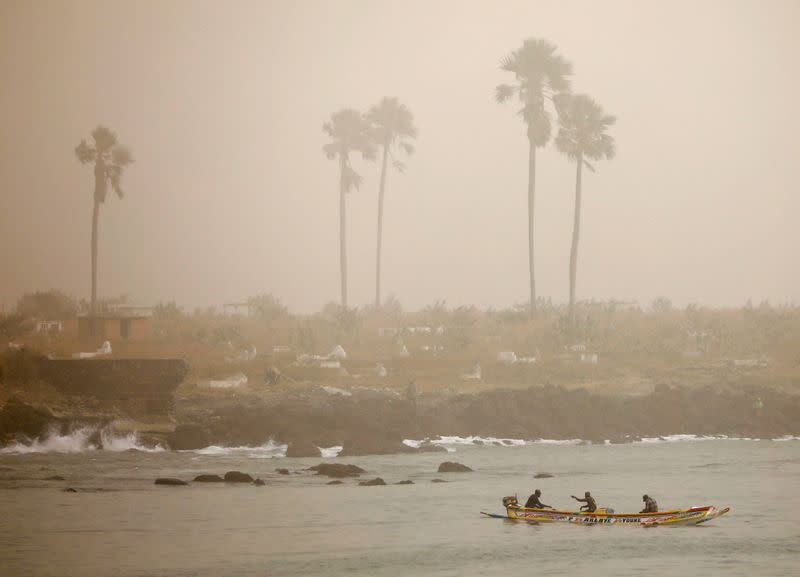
(534,502)
(650,505)
(590,506)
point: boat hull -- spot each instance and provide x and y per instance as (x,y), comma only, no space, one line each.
(692,516)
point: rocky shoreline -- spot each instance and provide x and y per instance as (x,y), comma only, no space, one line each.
(372,422)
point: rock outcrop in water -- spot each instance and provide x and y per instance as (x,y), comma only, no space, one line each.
(377,424)
(372,482)
(237,477)
(208,479)
(170,481)
(337,470)
(453,467)
(18,418)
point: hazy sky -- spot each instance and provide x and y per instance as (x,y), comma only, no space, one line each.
(222,104)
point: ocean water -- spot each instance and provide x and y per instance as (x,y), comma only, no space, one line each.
(120,524)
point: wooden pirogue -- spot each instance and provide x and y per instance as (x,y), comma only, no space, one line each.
(690,516)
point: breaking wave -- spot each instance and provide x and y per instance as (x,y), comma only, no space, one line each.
(268,450)
(330,452)
(689,438)
(450,443)
(81,440)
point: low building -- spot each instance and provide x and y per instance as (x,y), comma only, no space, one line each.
(134,326)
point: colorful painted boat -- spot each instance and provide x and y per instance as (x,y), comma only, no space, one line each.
(690,516)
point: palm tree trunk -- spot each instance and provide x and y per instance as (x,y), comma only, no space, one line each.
(95,212)
(576,232)
(343,225)
(380,226)
(531,197)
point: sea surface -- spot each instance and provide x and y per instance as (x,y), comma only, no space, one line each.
(119,523)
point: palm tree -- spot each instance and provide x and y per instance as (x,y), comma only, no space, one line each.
(349,132)
(393,125)
(581,136)
(110,160)
(539,73)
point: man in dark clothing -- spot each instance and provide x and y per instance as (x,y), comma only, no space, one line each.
(590,506)
(650,505)
(534,502)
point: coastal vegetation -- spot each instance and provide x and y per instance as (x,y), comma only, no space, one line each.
(110,160)
(539,74)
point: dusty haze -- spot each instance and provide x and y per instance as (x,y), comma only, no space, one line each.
(231,195)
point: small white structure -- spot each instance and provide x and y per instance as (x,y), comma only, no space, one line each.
(507,357)
(105,349)
(577,348)
(419,330)
(590,359)
(232,382)
(338,353)
(750,363)
(380,370)
(48,327)
(475,375)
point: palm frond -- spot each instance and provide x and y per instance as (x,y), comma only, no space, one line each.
(104,139)
(503,92)
(121,156)
(399,166)
(331,149)
(84,152)
(539,73)
(582,128)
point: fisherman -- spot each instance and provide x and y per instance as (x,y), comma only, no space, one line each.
(650,505)
(534,502)
(590,506)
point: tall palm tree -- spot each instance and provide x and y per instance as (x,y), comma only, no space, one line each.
(349,132)
(539,74)
(581,135)
(393,126)
(110,160)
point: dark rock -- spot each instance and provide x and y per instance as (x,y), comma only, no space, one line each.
(438,481)
(453,467)
(407,482)
(70,490)
(259,482)
(55,478)
(237,477)
(372,482)
(302,448)
(189,438)
(282,471)
(543,476)
(337,470)
(336,482)
(18,418)
(170,481)
(208,479)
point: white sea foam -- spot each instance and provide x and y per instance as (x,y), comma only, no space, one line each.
(787,438)
(81,440)
(450,442)
(689,438)
(329,452)
(558,442)
(268,450)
